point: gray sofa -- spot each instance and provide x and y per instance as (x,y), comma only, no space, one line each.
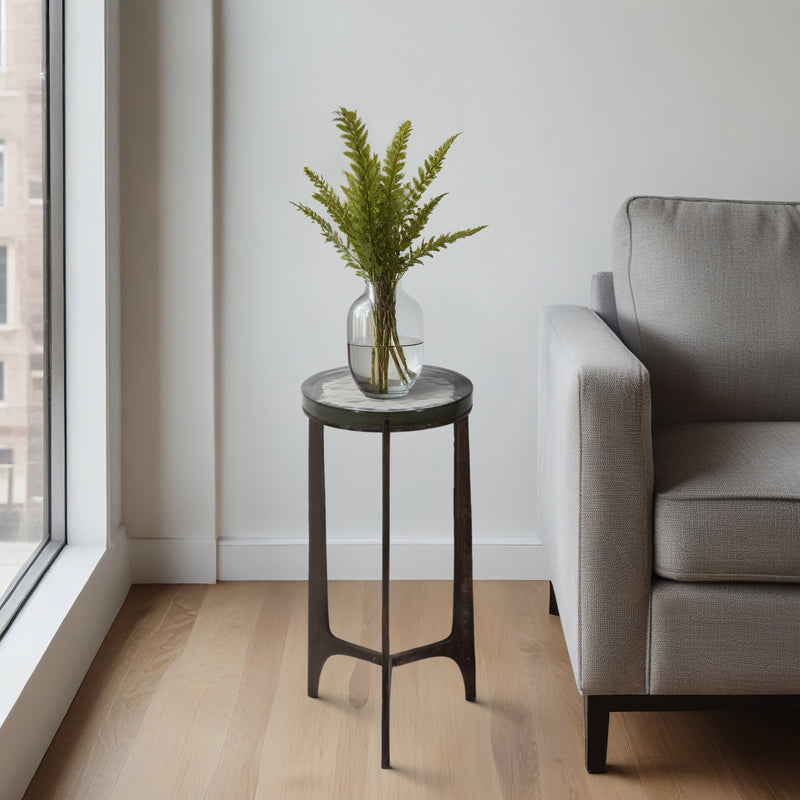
(669,462)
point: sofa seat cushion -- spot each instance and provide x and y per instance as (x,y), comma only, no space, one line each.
(727,501)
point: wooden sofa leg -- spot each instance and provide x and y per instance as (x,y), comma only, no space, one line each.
(595,714)
(553,603)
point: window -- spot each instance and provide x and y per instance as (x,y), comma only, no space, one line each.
(35,190)
(3,285)
(2,33)
(32,514)
(6,478)
(36,365)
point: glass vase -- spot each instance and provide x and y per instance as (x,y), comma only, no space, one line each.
(384,340)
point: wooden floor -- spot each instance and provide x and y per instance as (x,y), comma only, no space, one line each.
(200,692)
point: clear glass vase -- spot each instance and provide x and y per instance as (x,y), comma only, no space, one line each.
(384,340)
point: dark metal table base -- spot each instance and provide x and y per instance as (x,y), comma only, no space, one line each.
(459,645)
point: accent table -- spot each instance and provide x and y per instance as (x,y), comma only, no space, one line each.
(439,397)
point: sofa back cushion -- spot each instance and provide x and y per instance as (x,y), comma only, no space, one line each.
(708,297)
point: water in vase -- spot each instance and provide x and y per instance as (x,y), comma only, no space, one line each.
(399,381)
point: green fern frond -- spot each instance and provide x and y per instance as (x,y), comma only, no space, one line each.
(380,217)
(363,180)
(428,171)
(327,196)
(391,196)
(414,226)
(393,165)
(330,235)
(430,246)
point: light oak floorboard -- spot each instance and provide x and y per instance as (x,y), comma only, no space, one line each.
(758,770)
(95,737)
(676,756)
(200,692)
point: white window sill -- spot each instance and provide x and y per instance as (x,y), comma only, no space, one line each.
(45,653)
(33,631)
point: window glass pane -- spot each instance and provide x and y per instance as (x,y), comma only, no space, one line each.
(2,170)
(29,258)
(35,190)
(6,486)
(3,285)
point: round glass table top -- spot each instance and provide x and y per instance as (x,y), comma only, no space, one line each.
(439,397)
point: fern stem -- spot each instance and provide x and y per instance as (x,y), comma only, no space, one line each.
(386,345)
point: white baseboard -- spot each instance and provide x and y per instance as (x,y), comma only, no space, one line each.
(248,558)
(510,558)
(173,560)
(47,650)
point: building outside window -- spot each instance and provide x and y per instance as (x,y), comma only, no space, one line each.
(6,479)
(3,285)
(2,171)
(2,33)
(35,190)
(31,296)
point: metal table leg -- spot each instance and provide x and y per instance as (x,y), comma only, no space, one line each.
(463,635)
(319,631)
(386,654)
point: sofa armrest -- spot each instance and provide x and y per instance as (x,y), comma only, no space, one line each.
(595,489)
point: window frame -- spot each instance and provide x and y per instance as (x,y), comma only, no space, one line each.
(54,450)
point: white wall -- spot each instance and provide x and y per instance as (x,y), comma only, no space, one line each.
(567,108)
(167,287)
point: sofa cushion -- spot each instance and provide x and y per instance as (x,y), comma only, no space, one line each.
(727,501)
(708,293)
(724,638)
